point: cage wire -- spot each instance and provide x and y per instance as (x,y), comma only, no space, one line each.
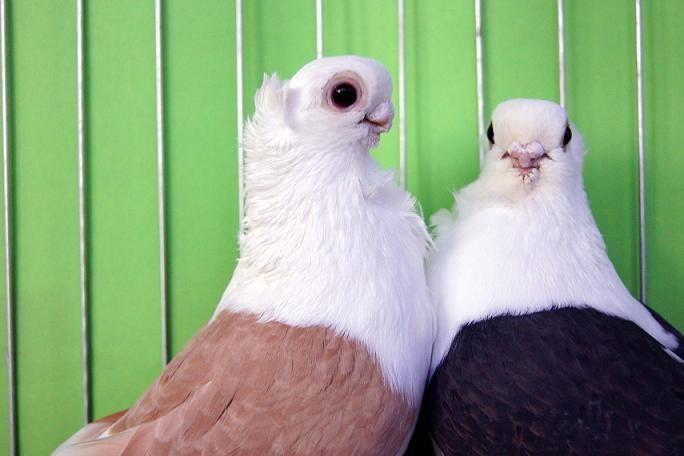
(159,79)
(159,87)
(7,212)
(82,235)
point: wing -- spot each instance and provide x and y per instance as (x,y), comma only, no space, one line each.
(563,381)
(241,386)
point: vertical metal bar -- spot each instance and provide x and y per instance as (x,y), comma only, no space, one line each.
(82,227)
(642,158)
(319,29)
(479,74)
(160,182)
(7,209)
(561,52)
(402,92)
(240,112)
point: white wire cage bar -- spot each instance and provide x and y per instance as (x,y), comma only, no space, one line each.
(7,212)
(401,33)
(479,80)
(159,76)
(561,53)
(643,266)
(82,221)
(319,29)
(239,107)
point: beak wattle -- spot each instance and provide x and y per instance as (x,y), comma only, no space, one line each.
(527,157)
(380,118)
(378,127)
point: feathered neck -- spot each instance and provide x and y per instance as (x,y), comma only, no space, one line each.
(330,240)
(523,255)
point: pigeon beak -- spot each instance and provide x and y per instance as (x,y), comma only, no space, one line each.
(525,157)
(380,118)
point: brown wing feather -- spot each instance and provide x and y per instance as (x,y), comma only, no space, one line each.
(91,431)
(241,386)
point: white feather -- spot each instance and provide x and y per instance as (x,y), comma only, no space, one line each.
(330,239)
(519,246)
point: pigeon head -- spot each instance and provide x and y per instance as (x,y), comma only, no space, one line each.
(531,143)
(346,97)
(332,101)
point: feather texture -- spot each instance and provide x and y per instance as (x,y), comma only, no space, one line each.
(568,381)
(246,387)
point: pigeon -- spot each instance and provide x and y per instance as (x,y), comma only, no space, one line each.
(322,340)
(540,348)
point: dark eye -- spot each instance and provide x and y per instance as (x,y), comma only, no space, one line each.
(343,95)
(567,136)
(490,133)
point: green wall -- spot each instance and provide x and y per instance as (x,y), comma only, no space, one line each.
(279,36)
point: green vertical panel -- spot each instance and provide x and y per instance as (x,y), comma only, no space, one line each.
(120,94)
(520,50)
(279,37)
(602,102)
(664,98)
(369,28)
(43,78)
(202,159)
(441,100)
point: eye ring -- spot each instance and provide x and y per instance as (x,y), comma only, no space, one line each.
(490,133)
(344,91)
(567,136)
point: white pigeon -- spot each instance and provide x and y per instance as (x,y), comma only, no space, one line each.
(322,340)
(540,348)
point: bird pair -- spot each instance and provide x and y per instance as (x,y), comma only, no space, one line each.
(329,330)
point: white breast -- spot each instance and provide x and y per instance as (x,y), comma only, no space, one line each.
(501,258)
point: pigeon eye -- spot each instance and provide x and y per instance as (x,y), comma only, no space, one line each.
(567,136)
(343,95)
(490,133)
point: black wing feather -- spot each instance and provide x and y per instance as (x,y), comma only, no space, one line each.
(567,381)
